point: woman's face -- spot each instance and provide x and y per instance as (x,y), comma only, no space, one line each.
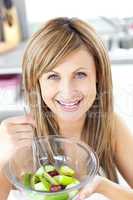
(69,90)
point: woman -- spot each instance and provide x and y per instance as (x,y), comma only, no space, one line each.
(68,87)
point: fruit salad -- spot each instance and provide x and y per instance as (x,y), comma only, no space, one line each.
(50,179)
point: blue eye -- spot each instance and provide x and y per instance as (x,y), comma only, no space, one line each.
(81,75)
(53,77)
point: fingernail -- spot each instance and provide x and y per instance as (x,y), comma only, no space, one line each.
(77,197)
(81,197)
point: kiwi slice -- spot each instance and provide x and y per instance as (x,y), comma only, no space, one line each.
(40,171)
(65,170)
(50,179)
(64,180)
(27,180)
(49,168)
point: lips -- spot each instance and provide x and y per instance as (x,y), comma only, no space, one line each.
(69,106)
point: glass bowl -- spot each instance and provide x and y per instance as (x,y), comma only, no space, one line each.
(67,151)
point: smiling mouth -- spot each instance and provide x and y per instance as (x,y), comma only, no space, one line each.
(69,106)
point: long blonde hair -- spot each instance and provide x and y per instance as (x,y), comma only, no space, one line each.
(55,40)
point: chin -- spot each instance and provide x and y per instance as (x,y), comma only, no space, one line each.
(72,118)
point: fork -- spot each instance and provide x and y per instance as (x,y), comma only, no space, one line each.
(39,153)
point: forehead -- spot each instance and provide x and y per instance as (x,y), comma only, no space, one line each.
(80,58)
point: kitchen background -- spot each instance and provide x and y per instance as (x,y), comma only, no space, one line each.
(19,19)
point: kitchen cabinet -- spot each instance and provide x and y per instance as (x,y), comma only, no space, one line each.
(10,64)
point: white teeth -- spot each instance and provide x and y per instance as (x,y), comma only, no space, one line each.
(68,104)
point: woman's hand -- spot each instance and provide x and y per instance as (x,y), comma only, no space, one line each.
(93,187)
(107,188)
(13,134)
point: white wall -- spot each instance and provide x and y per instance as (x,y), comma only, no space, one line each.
(40,10)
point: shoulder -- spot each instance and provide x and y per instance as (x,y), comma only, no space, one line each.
(123,148)
(119,125)
(121,134)
(120,130)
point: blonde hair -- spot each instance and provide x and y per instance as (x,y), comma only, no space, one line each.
(55,40)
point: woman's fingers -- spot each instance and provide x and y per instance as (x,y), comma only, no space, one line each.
(23,143)
(19,132)
(23,135)
(17,124)
(19,120)
(90,188)
(17,129)
(20,128)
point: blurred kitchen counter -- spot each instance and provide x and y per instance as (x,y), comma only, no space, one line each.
(10,62)
(121,56)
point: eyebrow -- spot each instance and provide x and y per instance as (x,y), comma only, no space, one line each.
(83,68)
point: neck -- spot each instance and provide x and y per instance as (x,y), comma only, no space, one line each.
(71,129)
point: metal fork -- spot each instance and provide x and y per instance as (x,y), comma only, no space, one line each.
(39,154)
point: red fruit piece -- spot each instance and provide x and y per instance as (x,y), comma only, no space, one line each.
(53,173)
(63,187)
(55,188)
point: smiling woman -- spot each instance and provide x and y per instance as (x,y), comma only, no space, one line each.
(64,97)
(68,87)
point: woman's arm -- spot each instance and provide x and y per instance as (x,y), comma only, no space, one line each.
(5,186)
(13,132)
(114,191)
(123,149)
(107,188)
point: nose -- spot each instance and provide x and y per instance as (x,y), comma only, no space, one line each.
(67,89)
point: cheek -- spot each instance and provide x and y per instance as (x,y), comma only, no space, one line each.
(90,92)
(89,88)
(48,92)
